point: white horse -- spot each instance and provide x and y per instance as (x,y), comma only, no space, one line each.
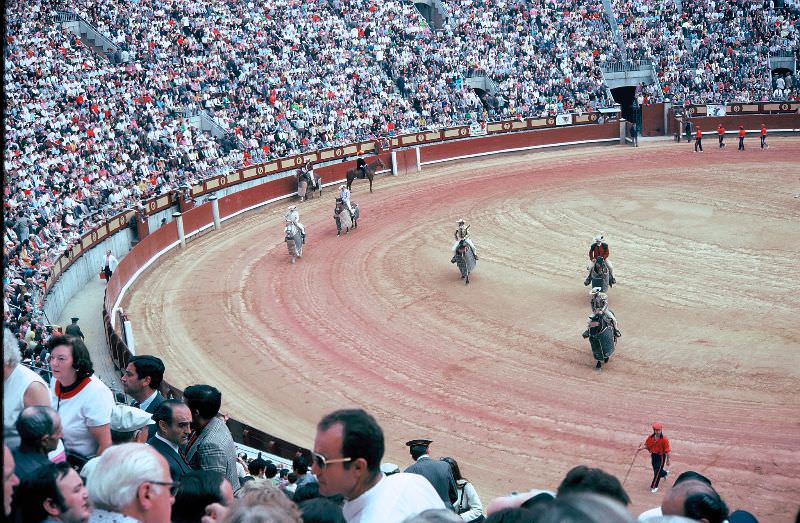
(294,240)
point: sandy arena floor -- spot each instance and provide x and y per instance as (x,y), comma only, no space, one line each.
(705,250)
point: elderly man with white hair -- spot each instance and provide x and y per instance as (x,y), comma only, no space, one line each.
(131,484)
(22,388)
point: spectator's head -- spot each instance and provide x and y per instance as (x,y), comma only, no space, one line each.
(263,494)
(133,479)
(198,489)
(321,510)
(434,515)
(261,514)
(69,359)
(270,470)
(348,449)
(142,377)
(511,515)
(690,475)
(585,508)
(299,465)
(174,421)
(454,467)
(585,479)
(129,425)
(257,467)
(204,402)
(308,490)
(54,491)
(11,354)
(10,480)
(418,447)
(39,428)
(694,499)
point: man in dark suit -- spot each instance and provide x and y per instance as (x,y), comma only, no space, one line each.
(174,420)
(73,329)
(439,473)
(211,445)
(141,380)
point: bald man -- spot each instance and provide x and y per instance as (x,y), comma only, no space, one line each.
(696,500)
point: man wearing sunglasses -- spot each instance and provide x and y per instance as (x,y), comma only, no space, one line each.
(348,449)
(131,483)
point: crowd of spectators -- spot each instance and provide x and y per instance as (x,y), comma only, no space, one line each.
(133,478)
(87,136)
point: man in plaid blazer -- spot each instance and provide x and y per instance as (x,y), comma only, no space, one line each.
(210,446)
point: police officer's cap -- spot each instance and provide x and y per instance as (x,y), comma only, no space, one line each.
(422,442)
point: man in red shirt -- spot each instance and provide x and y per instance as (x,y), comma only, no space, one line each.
(658,446)
(721,135)
(764,137)
(698,139)
(742,132)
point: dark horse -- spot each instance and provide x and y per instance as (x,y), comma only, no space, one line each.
(307,183)
(602,338)
(465,260)
(370,169)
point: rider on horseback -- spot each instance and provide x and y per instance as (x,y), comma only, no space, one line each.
(462,233)
(599,302)
(293,216)
(600,248)
(344,194)
(361,165)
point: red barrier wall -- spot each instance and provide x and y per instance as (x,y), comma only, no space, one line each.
(653,120)
(485,144)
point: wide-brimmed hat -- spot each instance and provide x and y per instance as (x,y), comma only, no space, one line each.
(292,207)
(459,222)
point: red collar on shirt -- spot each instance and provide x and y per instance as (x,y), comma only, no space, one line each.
(73,391)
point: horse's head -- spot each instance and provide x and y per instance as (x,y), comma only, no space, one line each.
(597,323)
(379,162)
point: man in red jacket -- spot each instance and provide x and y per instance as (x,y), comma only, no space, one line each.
(600,248)
(658,446)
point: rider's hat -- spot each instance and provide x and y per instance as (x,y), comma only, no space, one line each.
(342,187)
(598,238)
(460,221)
(292,207)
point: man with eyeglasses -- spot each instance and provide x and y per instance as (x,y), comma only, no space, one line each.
(130,484)
(348,449)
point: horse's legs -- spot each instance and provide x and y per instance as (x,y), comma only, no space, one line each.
(466,282)
(370,182)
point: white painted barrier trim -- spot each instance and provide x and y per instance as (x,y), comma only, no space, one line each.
(518,149)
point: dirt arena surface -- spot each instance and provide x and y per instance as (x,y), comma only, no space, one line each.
(705,250)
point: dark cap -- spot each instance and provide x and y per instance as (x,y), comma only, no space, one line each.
(419,442)
(74,320)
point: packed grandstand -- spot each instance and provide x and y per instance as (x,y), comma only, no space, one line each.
(89,134)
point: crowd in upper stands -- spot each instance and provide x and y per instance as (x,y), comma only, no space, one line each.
(72,454)
(87,137)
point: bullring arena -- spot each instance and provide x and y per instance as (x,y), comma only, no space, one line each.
(496,373)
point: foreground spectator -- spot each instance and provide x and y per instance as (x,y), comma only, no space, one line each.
(439,473)
(257,501)
(211,445)
(174,421)
(321,510)
(54,493)
(39,429)
(197,490)
(584,479)
(585,508)
(141,380)
(694,499)
(22,388)
(131,481)
(128,425)
(81,399)
(348,449)
(468,505)
(10,480)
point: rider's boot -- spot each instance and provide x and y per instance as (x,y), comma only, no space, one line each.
(303,235)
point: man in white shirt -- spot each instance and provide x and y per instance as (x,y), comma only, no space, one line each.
(347,455)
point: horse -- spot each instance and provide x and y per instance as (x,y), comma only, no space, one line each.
(465,260)
(342,217)
(598,276)
(307,184)
(370,169)
(602,338)
(294,240)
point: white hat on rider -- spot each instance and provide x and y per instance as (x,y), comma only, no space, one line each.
(459,222)
(292,207)
(342,187)
(598,238)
